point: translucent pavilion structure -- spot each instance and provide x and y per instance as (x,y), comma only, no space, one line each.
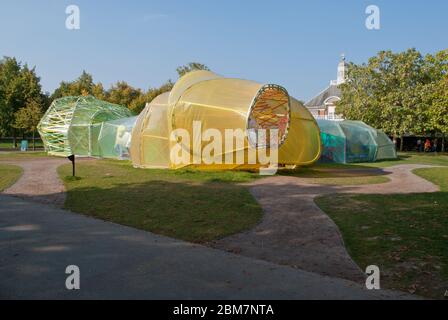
(86,126)
(221,104)
(354,141)
(114,139)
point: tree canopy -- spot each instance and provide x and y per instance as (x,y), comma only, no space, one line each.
(401,93)
(192,66)
(19,85)
(121,92)
(22,100)
(28,117)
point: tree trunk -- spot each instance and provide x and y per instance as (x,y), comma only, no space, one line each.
(401,143)
(443,143)
(34,141)
(14,140)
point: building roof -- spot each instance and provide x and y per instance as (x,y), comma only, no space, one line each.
(319,100)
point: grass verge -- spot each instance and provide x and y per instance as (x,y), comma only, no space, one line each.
(9,174)
(411,158)
(405,235)
(18,155)
(8,144)
(185,204)
(361,173)
(438,176)
(337,175)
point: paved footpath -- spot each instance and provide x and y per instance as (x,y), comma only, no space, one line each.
(37,243)
(39,181)
(296,232)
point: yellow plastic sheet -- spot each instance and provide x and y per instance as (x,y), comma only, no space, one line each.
(220,104)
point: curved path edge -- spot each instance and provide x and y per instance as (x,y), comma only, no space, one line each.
(37,242)
(39,181)
(294,231)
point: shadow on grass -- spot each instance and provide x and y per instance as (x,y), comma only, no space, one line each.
(196,211)
(338,171)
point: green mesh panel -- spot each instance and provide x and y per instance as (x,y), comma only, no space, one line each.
(386,148)
(53,127)
(95,130)
(72,125)
(115,138)
(360,142)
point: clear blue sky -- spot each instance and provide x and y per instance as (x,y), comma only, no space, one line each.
(293,43)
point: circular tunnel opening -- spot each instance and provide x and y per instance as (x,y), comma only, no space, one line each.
(270,110)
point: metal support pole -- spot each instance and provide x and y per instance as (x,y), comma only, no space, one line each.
(72,159)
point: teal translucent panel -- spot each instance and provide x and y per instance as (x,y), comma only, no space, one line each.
(334,148)
(353,141)
(360,142)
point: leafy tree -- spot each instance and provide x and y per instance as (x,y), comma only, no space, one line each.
(62,91)
(138,104)
(192,66)
(389,92)
(84,85)
(28,117)
(18,84)
(9,93)
(120,93)
(22,101)
(436,66)
(98,91)
(436,93)
(438,111)
(123,94)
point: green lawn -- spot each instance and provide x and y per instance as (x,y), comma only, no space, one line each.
(338,175)
(360,173)
(9,174)
(184,204)
(8,144)
(437,176)
(18,155)
(405,235)
(412,158)
(403,158)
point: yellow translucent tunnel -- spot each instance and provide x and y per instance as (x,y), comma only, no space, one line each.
(221,105)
